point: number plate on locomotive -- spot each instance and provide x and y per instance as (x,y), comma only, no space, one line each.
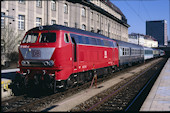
(36,53)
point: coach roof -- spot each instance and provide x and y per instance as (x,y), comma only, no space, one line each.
(60,27)
(127,44)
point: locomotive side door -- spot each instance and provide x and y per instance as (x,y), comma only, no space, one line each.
(113,54)
(74,53)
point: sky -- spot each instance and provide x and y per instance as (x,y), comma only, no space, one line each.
(138,12)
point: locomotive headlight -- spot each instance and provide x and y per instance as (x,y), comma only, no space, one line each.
(27,62)
(51,63)
(23,63)
(48,63)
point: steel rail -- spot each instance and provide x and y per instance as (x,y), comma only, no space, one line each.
(114,92)
(141,91)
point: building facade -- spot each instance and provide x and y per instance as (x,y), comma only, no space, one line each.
(158,29)
(143,40)
(136,38)
(150,41)
(100,16)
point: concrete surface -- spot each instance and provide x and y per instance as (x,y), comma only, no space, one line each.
(159,96)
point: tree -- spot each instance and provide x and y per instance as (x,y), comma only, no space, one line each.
(10,40)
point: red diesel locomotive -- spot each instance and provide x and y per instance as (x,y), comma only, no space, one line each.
(56,56)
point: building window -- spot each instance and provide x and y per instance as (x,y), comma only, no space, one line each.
(97,17)
(53,22)
(22,1)
(65,8)
(2,20)
(53,5)
(21,22)
(66,24)
(39,3)
(92,16)
(92,30)
(83,12)
(38,21)
(83,27)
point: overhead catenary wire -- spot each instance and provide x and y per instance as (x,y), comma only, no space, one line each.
(134,11)
(147,12)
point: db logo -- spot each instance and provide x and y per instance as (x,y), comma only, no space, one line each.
(36,53)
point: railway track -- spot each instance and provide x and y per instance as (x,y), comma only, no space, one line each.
(125,96)
(32,104)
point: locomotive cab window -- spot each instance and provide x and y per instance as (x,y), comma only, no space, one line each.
(30,38)
(66,39)
(47,37)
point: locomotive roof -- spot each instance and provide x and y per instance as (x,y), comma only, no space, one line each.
(60,27)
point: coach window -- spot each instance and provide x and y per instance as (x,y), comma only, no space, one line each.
(66,39)
(128,51)
(123,51)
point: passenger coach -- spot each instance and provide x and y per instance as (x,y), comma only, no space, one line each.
(129,53)
(148,53)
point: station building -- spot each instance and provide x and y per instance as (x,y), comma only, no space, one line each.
(144,40)
(136,38)
(150,41)
(99,16)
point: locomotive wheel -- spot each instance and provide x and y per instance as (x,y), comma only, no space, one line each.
(17,85)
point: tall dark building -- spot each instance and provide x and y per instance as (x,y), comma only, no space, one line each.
(158,29)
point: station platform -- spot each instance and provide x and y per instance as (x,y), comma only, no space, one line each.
(159,96)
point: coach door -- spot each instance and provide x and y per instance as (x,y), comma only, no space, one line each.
(74,53)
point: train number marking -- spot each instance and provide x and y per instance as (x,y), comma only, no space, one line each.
(105,54)
(84,66)
(36,53)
